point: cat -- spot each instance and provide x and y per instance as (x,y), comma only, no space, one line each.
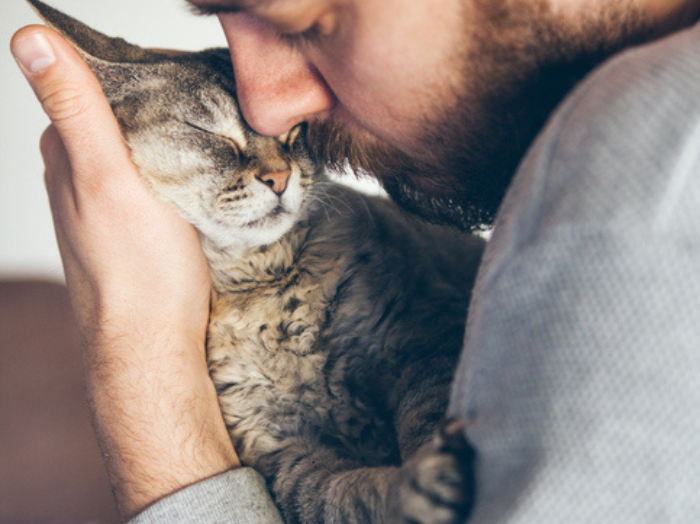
(336,319)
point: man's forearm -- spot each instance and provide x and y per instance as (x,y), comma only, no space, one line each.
(156,416)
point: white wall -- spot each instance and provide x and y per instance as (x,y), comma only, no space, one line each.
(27,245)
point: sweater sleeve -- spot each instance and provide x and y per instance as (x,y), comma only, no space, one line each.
(237,496)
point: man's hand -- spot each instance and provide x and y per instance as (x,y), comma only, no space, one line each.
(139,285)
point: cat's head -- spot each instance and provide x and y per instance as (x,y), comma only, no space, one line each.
(181,120)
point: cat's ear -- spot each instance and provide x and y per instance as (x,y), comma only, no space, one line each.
(113,60)
(91,42)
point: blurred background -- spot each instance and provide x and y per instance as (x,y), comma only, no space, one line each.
(50,467)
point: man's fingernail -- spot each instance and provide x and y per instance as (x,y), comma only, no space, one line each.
(34,52)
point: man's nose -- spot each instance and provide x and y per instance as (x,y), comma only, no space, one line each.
(277,86)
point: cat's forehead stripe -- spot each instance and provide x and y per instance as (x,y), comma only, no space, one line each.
(226,119)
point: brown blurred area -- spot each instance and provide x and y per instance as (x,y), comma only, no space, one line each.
(51,471)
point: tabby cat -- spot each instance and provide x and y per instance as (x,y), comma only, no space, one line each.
(336,319)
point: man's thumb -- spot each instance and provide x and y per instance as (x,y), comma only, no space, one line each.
(67,90)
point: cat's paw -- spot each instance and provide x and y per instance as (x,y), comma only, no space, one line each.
(436,486)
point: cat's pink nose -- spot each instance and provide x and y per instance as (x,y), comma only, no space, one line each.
(276,181)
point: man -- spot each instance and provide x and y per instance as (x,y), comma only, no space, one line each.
(578,368)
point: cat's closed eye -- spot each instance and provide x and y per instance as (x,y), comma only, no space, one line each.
(230,141)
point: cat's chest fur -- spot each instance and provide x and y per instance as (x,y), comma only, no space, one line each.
(263,342)
(268,348)
(306,335)
(266,362)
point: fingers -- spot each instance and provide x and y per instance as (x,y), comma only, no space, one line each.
(88,165)
(71,97)
(111,231)
(94,189)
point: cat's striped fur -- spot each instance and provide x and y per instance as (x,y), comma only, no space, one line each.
(333,350)
(336,319)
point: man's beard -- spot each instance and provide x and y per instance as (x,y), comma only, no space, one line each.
(522,59)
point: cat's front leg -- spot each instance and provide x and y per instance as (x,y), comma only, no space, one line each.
(317,483)
(436,485)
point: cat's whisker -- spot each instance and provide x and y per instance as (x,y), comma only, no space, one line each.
(328,201)
(316,198)
(369,213)
(321,194)
(342,200)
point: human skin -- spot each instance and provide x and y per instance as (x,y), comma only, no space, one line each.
(436,87)
(136,275)
(141,299)
(379,65)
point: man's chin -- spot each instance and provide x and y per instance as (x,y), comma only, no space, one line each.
(441,210)
(434,192)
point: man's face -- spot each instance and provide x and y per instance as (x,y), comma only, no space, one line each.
(437,98)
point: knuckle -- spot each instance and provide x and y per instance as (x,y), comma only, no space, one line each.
(64,103)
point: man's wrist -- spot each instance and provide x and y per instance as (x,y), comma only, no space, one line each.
(156,417)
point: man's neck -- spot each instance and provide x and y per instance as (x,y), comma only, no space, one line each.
(672,15)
